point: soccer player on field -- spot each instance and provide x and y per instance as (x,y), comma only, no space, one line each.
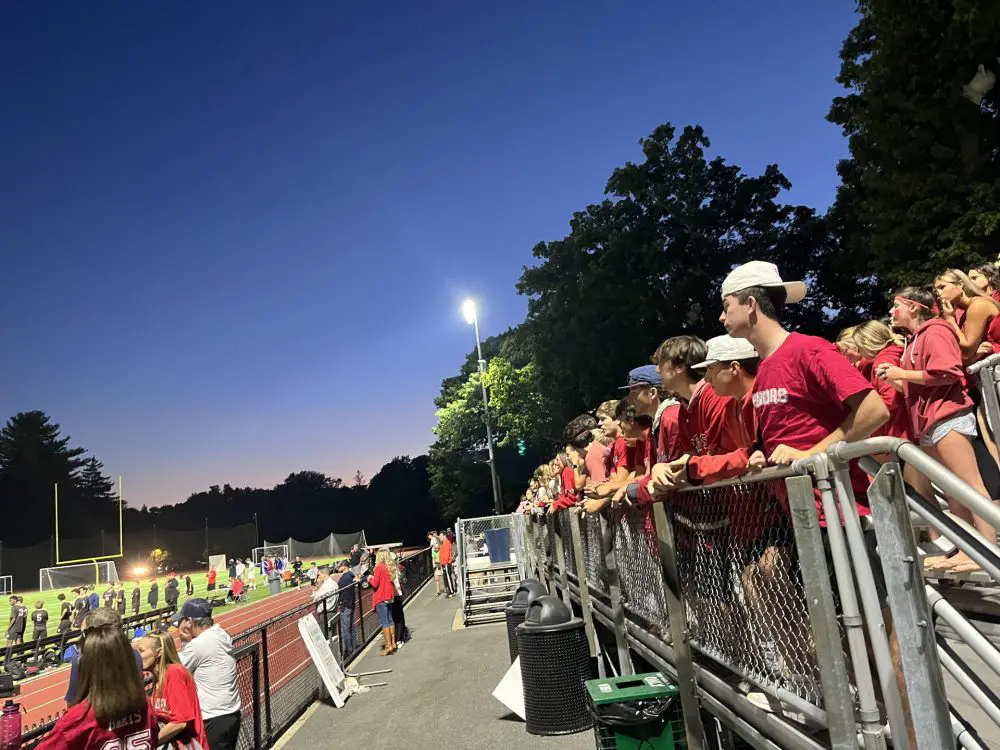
(15,628)
(65,614)
(40,619)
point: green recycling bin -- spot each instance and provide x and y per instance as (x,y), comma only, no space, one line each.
(637,712)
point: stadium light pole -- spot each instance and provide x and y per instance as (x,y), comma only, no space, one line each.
(471,316)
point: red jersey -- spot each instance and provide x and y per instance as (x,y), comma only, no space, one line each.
(668,436)
(799,398)
(596,462)
(179,705)
(934,349)
(898,425)
(715,468)
(709,423)
(77,729)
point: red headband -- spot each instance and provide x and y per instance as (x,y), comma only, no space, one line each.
(912,302)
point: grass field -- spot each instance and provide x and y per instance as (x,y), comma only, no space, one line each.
(199,580)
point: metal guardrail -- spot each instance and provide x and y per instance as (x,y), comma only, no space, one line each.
(275,674)
(766,617)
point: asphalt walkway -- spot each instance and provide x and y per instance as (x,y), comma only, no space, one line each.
(439,693)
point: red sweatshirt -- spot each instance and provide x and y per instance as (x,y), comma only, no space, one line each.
(899,421)
(715,468)
(567,496)
(934,349)
(381,583)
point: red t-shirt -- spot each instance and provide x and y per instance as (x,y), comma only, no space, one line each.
(596,462)
(622,455)
(799,398)
(668,438)
(715,468)
(709,423)
(179,704)
(77,729)
(211,575)
(567,489)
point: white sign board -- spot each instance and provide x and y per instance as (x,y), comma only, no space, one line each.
(510,692)
(322,656)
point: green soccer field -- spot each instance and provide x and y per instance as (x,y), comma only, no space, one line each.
(51,601)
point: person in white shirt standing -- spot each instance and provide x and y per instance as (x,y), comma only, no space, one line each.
(327,589)
(207,653)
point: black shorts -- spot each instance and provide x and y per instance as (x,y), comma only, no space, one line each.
(64,626)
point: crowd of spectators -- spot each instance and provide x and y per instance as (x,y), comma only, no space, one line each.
(761,395)
(147,693)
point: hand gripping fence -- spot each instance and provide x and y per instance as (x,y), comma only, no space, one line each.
(744,594)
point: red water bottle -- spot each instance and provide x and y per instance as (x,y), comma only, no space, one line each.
(10,726)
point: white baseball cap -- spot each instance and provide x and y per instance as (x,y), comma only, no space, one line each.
(727,349)
(761,273)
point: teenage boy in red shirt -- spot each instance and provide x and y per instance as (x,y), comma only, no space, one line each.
(806,395)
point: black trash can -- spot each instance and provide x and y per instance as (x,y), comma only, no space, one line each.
(498,545)
(555,665)
(526,593)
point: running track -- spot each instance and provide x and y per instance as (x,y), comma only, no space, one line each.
(42,697)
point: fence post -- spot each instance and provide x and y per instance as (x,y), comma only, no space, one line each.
(911,613)
(677,613)
(325,622)
(819,601)
(266,669)
(255,682)
(550,555)
(615,592)
(581,580)
(361,613)
(561,562)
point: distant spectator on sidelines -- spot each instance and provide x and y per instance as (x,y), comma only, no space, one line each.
(312,574)
(346,598)
(207,652)
(446,558)
(435,545)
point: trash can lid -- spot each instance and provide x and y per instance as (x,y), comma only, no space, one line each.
(526,593)
(546,611)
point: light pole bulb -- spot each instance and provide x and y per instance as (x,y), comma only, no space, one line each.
(469,311)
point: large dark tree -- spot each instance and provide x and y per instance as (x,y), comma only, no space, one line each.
(647,262)
(921,191)
(34,457)
(95,486)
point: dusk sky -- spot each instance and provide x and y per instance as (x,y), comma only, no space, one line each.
(236,235)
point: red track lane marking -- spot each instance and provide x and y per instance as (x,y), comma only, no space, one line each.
(42,697)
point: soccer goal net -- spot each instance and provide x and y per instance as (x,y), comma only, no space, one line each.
(6,585)
(82,574)
(275,550)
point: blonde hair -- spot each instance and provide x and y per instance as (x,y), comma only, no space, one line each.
(382,557)
(847,335)
(163,646)
(607,409)
(968,286)
(873,336)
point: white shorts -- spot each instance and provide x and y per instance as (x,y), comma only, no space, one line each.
(963,423)
(437,570)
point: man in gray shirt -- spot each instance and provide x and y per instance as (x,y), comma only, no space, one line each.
(207,652)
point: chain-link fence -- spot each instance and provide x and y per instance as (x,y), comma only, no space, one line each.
(484,545)
(639,568)
(738,574)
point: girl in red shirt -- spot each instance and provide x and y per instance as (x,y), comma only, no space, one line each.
(111,709)
(174,695)
(878,345)
(930,377)
(383,592)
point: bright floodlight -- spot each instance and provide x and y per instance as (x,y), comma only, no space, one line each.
(469,311)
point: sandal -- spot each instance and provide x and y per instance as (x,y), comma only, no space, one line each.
(966,567)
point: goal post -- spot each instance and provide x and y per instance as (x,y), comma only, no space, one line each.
(88,560)
(6,585)
(94,573)
(274,550)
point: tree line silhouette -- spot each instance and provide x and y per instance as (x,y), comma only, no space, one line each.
(395,505)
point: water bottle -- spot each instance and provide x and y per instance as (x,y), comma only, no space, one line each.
(10,726)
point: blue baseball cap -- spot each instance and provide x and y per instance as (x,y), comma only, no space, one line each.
(645,375)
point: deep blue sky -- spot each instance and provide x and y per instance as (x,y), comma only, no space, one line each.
(236,235)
